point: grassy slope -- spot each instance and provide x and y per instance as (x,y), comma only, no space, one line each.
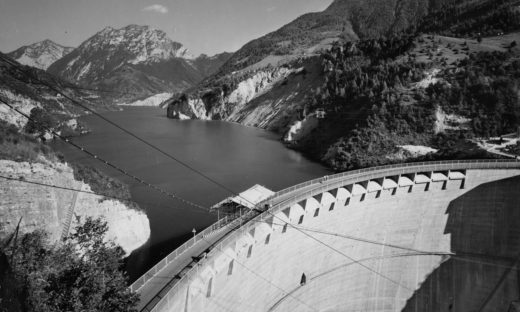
(19,147)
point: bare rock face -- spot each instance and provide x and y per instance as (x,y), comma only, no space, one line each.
(46,208)
(135,59)
(215,105)
(112,48)
(40,54)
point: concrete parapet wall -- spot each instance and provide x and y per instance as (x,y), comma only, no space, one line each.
(423,241)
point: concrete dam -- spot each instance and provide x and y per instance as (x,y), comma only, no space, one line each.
(439,236)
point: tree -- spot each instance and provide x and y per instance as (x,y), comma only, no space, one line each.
(39,122)
(83,274)
(10,296)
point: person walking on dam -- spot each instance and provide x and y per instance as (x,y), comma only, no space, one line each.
(303,280)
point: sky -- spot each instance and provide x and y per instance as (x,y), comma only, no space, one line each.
(203,26)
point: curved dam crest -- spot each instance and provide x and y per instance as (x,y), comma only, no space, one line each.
(418,237)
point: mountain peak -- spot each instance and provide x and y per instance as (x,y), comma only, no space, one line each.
(135,57)
(138,27)
(139,43)
(106,29)
(48,41)
(40,54)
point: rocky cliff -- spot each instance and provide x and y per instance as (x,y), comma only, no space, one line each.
(135,62)
(40,54)
(266,98)
(216,104)
(48,208)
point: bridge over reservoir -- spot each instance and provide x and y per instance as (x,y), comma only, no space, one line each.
(435,236)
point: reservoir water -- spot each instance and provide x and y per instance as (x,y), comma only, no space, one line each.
(235,156)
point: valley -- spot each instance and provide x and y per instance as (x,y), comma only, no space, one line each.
(130,126)
(224,151)
(134,62)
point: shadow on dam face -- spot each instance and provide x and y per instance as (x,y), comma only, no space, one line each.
(449,245)
(484,274)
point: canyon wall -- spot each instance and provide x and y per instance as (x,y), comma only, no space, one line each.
(256,101)
(41,207)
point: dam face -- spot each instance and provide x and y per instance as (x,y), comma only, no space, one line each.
(430,241)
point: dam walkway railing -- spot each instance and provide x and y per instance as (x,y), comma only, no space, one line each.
(220,225)
(426,166)
(295,194)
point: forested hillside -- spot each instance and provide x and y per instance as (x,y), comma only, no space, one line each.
(420,90)
(472,18)
(342,20)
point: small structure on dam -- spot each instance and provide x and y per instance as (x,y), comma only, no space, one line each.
(442,236)
(245,201)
